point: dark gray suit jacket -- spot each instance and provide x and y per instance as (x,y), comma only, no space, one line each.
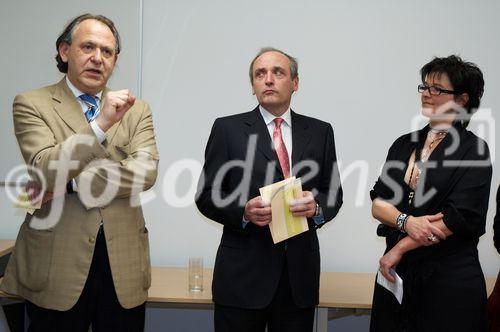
(248,265)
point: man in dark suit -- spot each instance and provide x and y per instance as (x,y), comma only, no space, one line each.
(258,283)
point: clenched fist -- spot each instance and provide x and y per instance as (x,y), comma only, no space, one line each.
(113,108)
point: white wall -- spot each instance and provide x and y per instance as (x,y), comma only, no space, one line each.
(358,64)
(358,67)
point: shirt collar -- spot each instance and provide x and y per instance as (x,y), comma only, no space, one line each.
(268,117)
(77,93)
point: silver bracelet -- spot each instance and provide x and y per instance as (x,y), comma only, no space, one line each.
(401,222)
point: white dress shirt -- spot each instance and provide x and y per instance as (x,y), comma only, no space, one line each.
(99,133)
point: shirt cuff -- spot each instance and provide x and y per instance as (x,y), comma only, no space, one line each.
(244,222)
(100,134)
(73,184)
(320,218)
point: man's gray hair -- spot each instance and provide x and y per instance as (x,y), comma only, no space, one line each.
(294,66)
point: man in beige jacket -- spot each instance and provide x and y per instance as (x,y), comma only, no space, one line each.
(83,258)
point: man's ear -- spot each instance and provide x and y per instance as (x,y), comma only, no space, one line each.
(296,83)
(63,51)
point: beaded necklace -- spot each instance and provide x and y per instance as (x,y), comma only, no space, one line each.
(424,156)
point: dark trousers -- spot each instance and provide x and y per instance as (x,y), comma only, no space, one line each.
(494,307)
(97,306)
(282,315)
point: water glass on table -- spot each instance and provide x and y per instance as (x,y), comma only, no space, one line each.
(195,274)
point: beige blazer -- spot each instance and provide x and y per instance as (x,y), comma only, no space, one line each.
(49,267)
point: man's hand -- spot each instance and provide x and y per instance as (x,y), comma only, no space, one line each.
(33,189)
(305,206)
(421,229)
(258,212)
(113,108)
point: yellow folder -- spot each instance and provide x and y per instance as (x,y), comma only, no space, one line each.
(284,225)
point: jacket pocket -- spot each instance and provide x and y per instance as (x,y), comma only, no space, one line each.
(123,149)
(33,257)
(145,259)
(119,152)
(234,241)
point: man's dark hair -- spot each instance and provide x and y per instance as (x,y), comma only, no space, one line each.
(67,36)
(465,77)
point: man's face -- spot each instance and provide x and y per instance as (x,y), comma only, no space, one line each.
(272,82)
(91,56)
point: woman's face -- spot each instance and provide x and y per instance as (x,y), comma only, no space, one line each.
(439,106)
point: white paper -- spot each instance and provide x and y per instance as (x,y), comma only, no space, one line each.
(395,287)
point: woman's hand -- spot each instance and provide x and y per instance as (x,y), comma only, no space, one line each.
(389,261)
(423,231)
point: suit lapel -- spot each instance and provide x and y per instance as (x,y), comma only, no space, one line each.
(68,107)
(70,111)
(301,136)
(255,126)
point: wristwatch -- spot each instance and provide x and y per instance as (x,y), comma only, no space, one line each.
(318,210)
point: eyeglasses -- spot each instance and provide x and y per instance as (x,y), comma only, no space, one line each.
(433,90)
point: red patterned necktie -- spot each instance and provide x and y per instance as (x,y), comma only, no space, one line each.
(279,146)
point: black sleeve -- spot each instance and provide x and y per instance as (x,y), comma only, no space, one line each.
(330,194)
(496,224)
(384,186)
(216,155)
(466,207)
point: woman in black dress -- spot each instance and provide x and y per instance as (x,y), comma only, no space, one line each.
(431,200)
(494,299)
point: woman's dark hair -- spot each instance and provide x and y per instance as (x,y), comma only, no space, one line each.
(465,77)
(67,36)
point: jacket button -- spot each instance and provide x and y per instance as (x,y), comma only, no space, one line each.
(91,239)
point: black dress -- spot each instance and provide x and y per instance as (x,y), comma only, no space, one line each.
(494,299)
(496,224)
(444,287)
